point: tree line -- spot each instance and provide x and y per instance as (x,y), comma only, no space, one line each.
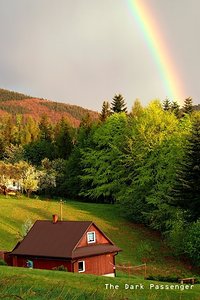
(145,161)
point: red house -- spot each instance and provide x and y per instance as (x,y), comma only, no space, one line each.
(79,246)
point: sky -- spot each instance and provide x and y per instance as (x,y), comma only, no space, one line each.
(83,52)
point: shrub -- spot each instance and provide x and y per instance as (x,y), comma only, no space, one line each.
(2,262)
(163,278)
(145,251)
(192,242)
(176,235)
(60,268)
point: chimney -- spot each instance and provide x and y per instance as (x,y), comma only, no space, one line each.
(55,219)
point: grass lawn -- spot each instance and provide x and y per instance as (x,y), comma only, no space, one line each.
(21,283)
(138,243)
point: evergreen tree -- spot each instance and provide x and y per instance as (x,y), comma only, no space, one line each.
(175,108)
(187,190)
(188,106)
(105,112)
(86,121)
(46,131)
(166,104)
(63,140)
(118,104)
(36,151)
(84,130)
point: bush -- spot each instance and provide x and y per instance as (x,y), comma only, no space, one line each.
(2,262)
(192,242)
(145,252)
(60,268)
(176,235)
(163,278)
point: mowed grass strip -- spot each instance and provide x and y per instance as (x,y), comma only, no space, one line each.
(21,283)
(138,243)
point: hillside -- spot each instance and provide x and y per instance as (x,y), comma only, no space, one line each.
(19,283)
(17,103)
(138,243)
(197,107)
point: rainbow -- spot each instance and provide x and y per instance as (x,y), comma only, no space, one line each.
(154,38)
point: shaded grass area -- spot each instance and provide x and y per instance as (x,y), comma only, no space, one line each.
(20,283)
(139,244)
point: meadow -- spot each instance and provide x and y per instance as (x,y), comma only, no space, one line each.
(28,284)
(138,243)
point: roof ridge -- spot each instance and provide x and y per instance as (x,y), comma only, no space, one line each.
(63,221)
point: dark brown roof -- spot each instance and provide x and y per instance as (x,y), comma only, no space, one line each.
(54,240)
(94,250)
(59,240)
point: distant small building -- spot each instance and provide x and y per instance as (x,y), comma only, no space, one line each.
(13,185)
(11,188)
(79,246)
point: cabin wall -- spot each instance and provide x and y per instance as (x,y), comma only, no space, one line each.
(5,255)
(98,265)
(41,263)
(100,239)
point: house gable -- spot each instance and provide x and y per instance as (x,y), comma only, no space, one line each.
(100,237)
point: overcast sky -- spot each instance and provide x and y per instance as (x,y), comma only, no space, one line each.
(84,51)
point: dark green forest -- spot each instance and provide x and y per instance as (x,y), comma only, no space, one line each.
(147,162)
(6,95)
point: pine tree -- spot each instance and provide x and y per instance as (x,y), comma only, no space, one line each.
(188,106)
(118,104)
(166,104)
(187,189)
(46,131)
(63,140)
(175,108)
(105,112)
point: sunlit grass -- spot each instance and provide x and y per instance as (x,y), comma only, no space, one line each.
(129,237)
(21,283)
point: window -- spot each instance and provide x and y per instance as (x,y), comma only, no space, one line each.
(91,237)
(81,266)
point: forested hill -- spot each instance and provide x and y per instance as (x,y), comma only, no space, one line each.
(17,103)
(197,107)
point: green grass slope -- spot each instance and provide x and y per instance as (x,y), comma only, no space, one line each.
(19,283)
(138,243)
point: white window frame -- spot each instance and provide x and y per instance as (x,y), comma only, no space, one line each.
(81,261)
(91,232)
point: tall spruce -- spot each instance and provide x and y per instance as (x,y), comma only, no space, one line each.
(188,106)
(166,104)
(187,190)
(118,104)
(175,108)
(46,130)
(105,112)
(63,139)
